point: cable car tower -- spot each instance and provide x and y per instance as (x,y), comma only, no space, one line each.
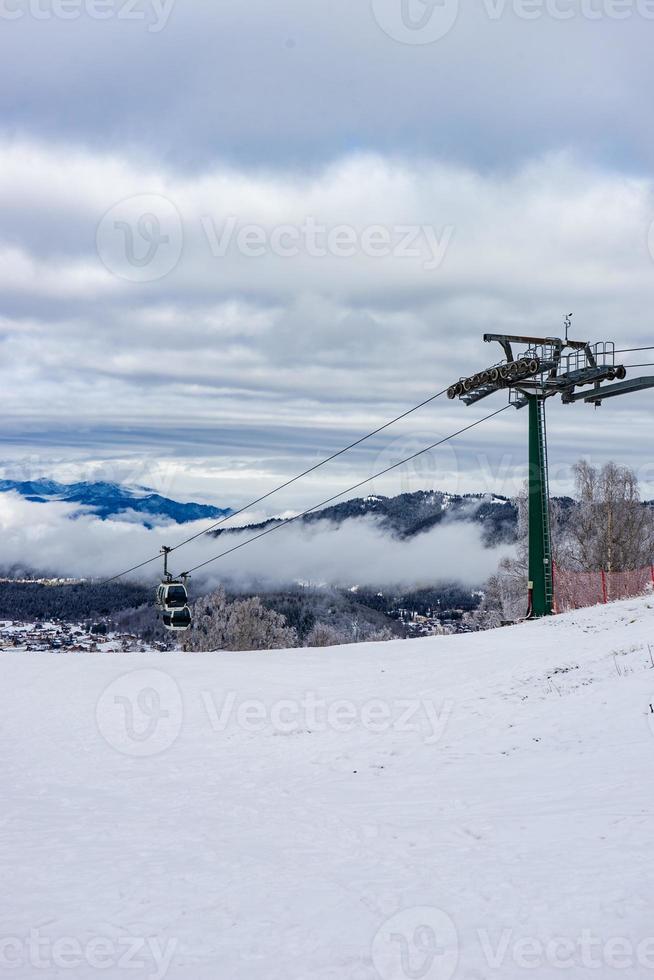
(547,366)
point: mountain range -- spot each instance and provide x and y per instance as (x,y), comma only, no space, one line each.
(404,515)
(111,500)
(409,514)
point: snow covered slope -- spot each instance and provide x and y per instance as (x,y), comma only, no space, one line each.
(459,807)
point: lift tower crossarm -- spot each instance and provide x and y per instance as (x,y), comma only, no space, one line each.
(506,340)
(610,391)
(515,339)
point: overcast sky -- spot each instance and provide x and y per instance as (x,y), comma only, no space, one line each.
(235,236)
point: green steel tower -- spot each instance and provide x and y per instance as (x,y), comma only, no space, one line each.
(547,366)
(540,537)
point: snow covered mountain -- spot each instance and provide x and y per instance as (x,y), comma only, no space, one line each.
(405,515)
(458,808)
(110,500)
(408,514)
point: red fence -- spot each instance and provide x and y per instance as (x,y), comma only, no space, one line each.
(574,590)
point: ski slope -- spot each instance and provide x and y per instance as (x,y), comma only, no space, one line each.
(464,807)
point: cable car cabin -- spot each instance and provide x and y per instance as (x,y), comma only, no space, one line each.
(177,619)
(172,595)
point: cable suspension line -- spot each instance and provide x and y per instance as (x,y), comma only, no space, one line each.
(375,476)
(312,469)
(282,486)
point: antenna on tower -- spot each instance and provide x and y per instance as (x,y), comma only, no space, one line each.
(568,324)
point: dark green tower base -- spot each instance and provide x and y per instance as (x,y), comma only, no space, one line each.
(540,549)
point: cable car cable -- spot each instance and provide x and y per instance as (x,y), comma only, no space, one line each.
(312,469)
(282,486)
(307,472)
(290,520)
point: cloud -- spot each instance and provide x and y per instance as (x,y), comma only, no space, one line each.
(24,273)
(243,369)
(44,538)
(357,552)
(373,234)
(224,364)
(294,84)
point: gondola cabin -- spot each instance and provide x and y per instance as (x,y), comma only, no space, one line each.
(172,598)
(177,619)
(172,595)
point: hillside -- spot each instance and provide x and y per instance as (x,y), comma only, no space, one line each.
(455,807)
(408,514)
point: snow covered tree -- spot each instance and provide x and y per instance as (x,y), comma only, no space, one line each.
(505,593)
(245,624)
(253,627)
(210,619)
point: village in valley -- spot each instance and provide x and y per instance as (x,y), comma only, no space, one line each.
(59,637)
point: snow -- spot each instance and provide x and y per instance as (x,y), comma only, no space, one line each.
(473,807)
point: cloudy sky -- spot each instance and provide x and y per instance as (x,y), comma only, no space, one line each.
(235,236)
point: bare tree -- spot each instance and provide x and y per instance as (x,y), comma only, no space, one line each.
(608,527)
(612,529)
(327,635)
(324,635)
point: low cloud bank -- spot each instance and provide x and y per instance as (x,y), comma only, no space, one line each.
(45,539)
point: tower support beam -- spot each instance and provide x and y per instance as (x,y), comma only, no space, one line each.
(540,550)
